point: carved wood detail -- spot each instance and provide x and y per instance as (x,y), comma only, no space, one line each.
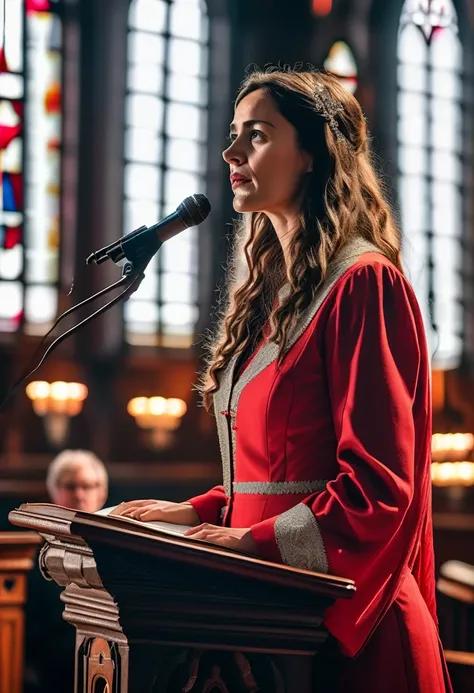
(66,562)
(100,667)
(227,672)
(215,684)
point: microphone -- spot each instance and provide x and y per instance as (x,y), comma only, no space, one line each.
(140,245)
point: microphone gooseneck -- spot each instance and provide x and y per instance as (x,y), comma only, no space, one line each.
(140,245)
(133,252)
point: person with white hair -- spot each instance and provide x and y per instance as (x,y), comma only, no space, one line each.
(77,479)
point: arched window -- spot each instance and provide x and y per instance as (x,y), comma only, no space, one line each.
(341,62)
(30,131)
(430,167)
(165,158)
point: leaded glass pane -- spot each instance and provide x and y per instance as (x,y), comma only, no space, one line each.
(188,20)
(141,181)
(11,262)
(165,158)
(179,185)
(147,79)
(186,57)
(186,155)
(177,287)
(30,102)
(191,90)
(184,121)
(146,49)
(11,86)
(148,288)
(142,145)
(144,111)
(429,157)
(179,256)
(148,15)
(12,30)
(341,62)
(140,212)
(11,305)
(40,304)
(142,313)
(178,314)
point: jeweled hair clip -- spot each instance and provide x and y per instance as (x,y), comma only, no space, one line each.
(329,109)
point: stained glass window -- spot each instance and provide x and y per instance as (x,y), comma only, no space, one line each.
(430,80)
(165,158)
(30,126)
(342,64)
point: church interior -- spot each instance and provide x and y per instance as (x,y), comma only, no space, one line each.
(111,113)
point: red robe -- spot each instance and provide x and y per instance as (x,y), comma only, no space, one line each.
(326,457)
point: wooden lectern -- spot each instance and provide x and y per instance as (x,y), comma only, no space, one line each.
(156,613)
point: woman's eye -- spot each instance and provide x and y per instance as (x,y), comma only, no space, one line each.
(253,135)
(256,134)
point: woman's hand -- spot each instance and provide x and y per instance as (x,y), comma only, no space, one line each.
(163,511)
(230,537)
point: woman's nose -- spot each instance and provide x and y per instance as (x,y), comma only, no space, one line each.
(233,154)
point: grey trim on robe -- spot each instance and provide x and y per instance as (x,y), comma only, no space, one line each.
(278,488)
(299,540)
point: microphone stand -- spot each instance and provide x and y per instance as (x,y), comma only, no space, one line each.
(132,277)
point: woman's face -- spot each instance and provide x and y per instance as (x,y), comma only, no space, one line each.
(266,163)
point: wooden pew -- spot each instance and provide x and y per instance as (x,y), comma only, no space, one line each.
(17,552)
(456,615)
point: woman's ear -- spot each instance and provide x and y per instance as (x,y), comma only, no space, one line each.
(308,162)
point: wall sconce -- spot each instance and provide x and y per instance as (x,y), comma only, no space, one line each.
(159,416)
(451,446)
(446,469)
(452,473)
(56,403)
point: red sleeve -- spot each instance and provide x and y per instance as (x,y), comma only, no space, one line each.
(209,505)
(355,527)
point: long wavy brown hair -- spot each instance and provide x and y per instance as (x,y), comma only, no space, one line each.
(341,197)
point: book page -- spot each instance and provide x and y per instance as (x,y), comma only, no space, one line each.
(166,527)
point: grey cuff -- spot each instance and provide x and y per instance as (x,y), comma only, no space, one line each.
(299,540)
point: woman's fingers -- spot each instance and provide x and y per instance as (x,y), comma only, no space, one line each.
(151,513)
(210,533)
(239,538)
(198,528)
(150,510)
(137,503)
(138,512)
(125,507)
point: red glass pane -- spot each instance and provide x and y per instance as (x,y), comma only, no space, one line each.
(8,133)
(37,6)
(12,236)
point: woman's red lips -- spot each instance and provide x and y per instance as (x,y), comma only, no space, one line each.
(237,179)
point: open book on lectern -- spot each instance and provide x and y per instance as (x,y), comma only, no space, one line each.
(166,527)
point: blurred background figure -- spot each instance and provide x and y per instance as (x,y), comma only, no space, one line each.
(77,479)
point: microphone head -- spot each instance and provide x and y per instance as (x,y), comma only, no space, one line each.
(193,210)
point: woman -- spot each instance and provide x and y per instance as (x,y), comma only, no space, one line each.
(319,381)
